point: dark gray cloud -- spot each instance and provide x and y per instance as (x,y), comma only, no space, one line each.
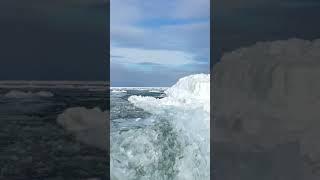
(53,40)
(263,20)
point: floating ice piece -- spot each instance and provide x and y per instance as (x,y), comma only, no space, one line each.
(29,94)
(89,126)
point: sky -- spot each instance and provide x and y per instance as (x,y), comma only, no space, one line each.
(244,22)
(54,40)
(154,43)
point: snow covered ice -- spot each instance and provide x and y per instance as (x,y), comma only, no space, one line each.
(171,139)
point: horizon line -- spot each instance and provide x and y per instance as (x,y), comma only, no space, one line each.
(54,81)
(139,86)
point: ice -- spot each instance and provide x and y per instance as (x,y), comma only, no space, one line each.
(140,88)
(192,91)
(155,91)
(28,94)
(178,146)
(118,91)
(44,94)
(89,126)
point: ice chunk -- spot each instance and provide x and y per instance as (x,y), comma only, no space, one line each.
(89,126)
(29,94)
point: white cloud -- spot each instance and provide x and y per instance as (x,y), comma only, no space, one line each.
(162,57)
(173,34)
(127,14)
(184,37)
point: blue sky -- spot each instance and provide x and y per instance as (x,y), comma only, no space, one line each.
(154,43)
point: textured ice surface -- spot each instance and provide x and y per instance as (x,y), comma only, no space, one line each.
(189,92)
(172,140)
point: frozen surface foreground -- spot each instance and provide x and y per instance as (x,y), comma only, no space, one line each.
(157,134)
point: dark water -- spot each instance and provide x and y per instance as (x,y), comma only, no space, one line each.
(34,146)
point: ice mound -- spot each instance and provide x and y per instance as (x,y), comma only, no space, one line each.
(192,91)
(97,89)
(29,94)
(268,94)
(118,91)
(155,91)
(89,126)
(187,142)
(44,94)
